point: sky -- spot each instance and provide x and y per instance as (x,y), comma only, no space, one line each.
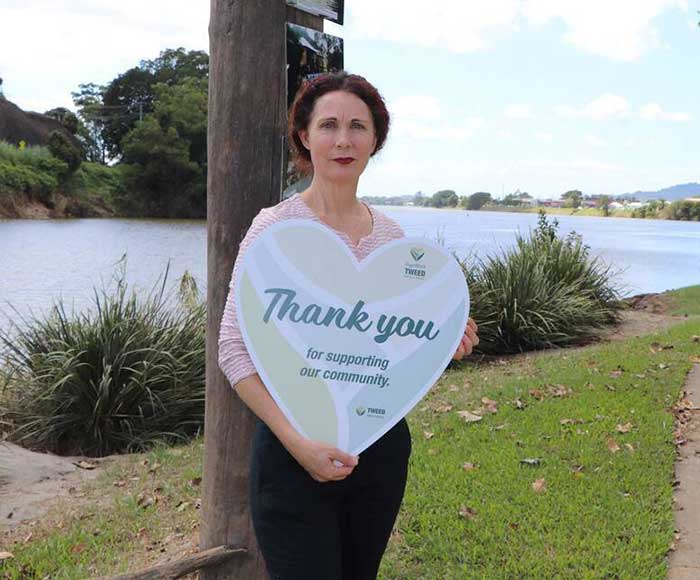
(543,96)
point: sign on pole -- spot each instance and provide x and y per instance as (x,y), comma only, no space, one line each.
(328,9)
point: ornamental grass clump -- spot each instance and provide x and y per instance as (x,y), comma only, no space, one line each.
(117,378)
(545,292)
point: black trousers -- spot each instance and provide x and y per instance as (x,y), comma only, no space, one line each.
(336,530)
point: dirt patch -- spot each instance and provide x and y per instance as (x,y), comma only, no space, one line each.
(31,482)
(654,303)
(636,323)
(23,206)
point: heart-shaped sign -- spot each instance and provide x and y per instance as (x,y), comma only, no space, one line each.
(347,348)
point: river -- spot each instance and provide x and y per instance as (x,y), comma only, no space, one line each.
(44,260)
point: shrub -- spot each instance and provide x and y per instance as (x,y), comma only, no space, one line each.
(117,378)
(545,292)
(62,148)
(31,170)
(684,210)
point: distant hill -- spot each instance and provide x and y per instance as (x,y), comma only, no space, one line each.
(33,128)
(672,193)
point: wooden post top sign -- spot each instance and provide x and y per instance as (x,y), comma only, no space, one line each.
(329,9)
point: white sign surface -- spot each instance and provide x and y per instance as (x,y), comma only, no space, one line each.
(347,348)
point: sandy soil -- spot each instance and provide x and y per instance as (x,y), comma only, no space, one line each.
(30,482)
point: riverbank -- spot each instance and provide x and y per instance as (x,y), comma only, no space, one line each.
(562,211)
(570,468)
(60,206)
(36,185)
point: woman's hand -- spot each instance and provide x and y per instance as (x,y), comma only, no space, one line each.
(468,342)
(323,462)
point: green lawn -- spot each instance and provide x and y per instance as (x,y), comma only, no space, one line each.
(595,421)
(685,301)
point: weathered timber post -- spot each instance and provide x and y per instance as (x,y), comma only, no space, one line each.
(247,115)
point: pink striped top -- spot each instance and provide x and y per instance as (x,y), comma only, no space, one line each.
(234,360)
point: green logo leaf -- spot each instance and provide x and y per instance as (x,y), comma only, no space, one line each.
(417,253)
(360,411)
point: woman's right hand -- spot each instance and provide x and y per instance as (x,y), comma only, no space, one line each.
(323,462)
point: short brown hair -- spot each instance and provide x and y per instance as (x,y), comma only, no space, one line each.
(311,90)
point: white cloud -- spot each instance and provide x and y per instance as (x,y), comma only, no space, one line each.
(457,25)
(518,111)
(543,136)
(415,107)
(621,30)
(89,41)
(442,131)
(578,164)
(422,117)
(505,134)
(595,141)
(610,106)
(604,107)
(654,112)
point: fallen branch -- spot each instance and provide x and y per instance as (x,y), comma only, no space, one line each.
(179,568)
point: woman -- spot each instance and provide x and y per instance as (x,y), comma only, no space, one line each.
(319,512)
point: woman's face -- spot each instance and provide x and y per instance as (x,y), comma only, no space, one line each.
(340,136)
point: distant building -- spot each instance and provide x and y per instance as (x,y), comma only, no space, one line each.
(615,205)
(552,203)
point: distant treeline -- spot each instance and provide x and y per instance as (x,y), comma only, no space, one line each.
(573,199)
(443,198)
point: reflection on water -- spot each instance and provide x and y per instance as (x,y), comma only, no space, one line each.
(42,260)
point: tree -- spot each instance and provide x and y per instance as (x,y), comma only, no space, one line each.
(572,198)
(159,170)
(184,107)
(173,66)
(117,107)
(62,148)
(478,200)
(66,117)
(88,101)
(604,204)
(445,198)
(126,100)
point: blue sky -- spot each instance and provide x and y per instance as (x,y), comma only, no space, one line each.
(498,95)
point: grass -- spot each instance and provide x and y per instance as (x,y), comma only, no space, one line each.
(602,513)
(579,211)
(684,301)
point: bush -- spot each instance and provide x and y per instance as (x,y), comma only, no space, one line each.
(32,170)
(115,379)
(62,148)
(684,210)
(545,292)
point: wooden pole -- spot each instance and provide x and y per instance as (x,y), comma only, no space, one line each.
(246,125)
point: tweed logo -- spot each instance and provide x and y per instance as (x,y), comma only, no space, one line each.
(360,411)
(417,253)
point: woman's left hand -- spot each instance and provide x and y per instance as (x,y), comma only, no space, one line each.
(468,342)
